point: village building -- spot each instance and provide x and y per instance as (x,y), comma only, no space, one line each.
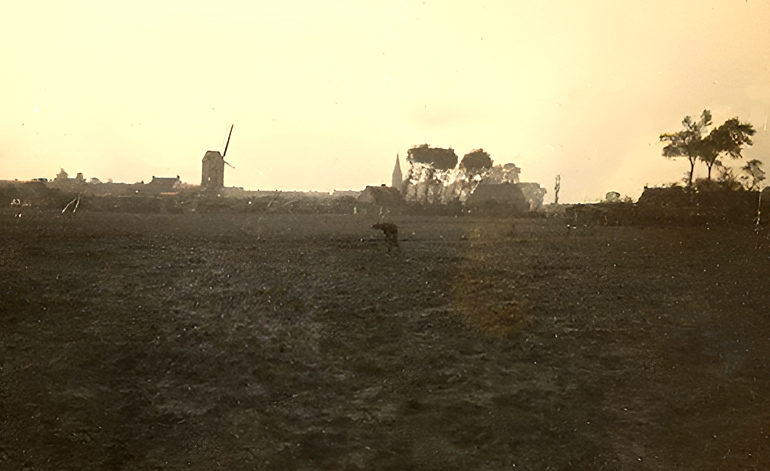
(161,185)
(499,194)
(523,197)
(381,196)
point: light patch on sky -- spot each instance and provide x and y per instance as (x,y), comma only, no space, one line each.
(323,95)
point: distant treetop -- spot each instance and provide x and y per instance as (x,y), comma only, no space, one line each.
(439,158)
(476,160)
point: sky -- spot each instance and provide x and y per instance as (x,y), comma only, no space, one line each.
(325,94)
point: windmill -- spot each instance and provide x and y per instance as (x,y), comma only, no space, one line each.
(213,173)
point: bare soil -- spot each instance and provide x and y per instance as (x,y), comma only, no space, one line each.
(244,341)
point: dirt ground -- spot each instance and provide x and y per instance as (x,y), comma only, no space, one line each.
(238,342)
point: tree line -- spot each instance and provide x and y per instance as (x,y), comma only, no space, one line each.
(476,160)
(699,142)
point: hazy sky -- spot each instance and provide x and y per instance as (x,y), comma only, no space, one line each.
(323,94)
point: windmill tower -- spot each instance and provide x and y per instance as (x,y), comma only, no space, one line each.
(213,172)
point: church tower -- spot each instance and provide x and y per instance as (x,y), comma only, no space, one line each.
(398,178)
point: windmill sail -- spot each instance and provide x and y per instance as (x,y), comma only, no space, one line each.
(227,143)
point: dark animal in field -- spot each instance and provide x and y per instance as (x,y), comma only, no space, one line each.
(391,233)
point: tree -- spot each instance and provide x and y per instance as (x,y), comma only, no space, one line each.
(506,173)
(727,179)
(753,174)
(728,139)
(688,142)
(556,188)
(440,159)
(476,161)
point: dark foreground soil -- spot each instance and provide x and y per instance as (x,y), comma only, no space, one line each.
(238,342)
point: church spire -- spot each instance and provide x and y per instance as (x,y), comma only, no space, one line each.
(398,178)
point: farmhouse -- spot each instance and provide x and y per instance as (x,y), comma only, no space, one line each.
(164,184)
(505,194)
(381,196)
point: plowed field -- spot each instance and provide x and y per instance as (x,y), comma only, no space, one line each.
(141,342)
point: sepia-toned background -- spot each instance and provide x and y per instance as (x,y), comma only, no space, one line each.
(323,95)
